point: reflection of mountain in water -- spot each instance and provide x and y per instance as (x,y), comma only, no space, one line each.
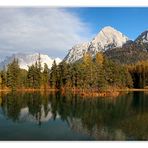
(25,116)
(101,133)
(31,107)
(102,118)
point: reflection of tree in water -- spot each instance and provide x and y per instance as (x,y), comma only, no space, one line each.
(135,126)
(89,113)
(45,102)
(118,118)
(37,105)
(140,102)
(101,118)
(54,99)
(11,105)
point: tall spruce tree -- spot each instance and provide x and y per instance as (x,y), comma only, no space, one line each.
(54,75)
(64,72)
(45,76)
(13,74)
(100,80)
(3,78)
(34,76)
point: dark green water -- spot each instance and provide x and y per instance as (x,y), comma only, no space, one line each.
(35,116)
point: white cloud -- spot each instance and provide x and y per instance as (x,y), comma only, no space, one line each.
(47,30)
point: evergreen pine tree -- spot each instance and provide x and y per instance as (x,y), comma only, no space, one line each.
(13,73)
(45,76)
(53,75)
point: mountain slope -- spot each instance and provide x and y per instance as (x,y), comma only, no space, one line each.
(128,54)
(131,52)
(27,60)
(107,38)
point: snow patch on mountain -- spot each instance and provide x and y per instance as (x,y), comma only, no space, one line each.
(107,38)
(143,37)
(76,52)
(26,60)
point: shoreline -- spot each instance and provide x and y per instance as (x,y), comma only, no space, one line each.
(81,92)
(133,89)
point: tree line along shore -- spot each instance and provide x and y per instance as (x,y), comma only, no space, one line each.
(97,76)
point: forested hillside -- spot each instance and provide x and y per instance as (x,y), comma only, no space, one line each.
(99,74)
(128,54)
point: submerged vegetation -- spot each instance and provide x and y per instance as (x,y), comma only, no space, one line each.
(98,74)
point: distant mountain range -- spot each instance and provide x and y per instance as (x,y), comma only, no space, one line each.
(113,44)
(26,60)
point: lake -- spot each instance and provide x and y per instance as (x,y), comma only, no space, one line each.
(56,116)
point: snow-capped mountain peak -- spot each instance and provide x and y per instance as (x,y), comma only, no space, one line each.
(26,60)
(110,35)
(143,37)
(107,38)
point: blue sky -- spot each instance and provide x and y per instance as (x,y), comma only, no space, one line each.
(130,21)
(53,31)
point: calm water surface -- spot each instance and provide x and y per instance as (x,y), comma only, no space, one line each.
(35,116)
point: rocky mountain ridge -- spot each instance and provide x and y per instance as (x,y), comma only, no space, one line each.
(106,39)
(114,44)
